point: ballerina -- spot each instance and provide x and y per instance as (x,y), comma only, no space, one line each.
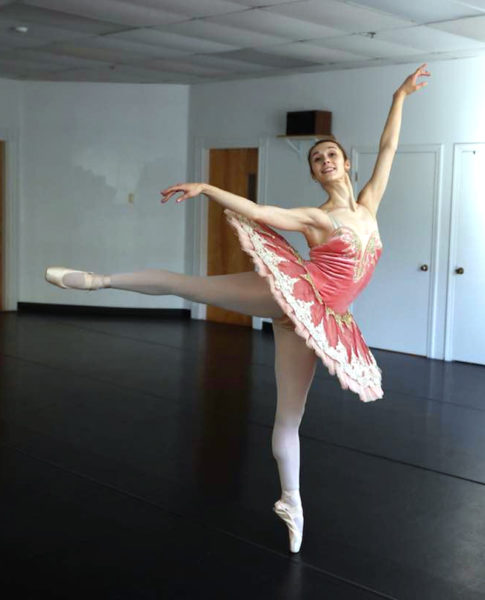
(307,300)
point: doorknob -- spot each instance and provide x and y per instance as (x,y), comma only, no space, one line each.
(460,271)
(424,267)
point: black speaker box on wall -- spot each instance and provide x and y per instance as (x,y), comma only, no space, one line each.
(309,122)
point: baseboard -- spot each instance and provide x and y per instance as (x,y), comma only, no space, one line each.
(73,309)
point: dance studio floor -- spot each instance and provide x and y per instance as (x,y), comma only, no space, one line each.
(135,462)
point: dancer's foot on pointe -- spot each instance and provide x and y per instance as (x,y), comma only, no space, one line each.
(292,514)
(76,280)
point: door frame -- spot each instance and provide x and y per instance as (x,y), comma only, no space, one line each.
(432,349)
(11,212)
(458,149)
(198,211)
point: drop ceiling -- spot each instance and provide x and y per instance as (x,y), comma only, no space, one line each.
(193,41)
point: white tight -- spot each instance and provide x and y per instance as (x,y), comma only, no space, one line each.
(248,293)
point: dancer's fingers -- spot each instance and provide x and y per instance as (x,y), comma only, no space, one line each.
(166,196)
(169,195)
(173,188)
(170,191)
(190,190)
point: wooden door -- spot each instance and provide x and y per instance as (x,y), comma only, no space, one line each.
(234,170)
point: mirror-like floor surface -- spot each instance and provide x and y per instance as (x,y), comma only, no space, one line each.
(135,462)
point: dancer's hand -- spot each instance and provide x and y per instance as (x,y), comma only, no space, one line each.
(190,190)
(410,85)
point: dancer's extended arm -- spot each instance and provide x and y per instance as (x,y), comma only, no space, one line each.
(292,219)
(371,194)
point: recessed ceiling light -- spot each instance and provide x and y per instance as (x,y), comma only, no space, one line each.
(20,29)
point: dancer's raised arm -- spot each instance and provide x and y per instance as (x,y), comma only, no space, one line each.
(291,219)
(371,194)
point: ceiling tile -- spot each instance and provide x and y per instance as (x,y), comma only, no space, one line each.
(264,58)
(111,51)
(425,37)
(138,50)
(16,72)
(21,15)
(229,65)
(196,8)
(168,39)
(338,15)
(39,56)
(260,3)
(275,24)
(480,4)
(473,27)
(311,53)
(195,41)
(121,74)
(186,67)
(419,10)
(457,54)
(37,34)
(31,65)
(232,36)
(113,11)
(366,46)
(9,41)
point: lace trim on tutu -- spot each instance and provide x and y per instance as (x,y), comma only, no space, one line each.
(361,377)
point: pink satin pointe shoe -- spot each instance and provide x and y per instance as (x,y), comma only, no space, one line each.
(90,281)
(288,513)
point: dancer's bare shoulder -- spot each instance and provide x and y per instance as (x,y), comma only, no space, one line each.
(317,218)
(362,221)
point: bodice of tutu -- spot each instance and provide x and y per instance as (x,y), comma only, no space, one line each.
(343,266)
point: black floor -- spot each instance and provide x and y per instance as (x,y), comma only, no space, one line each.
(135,462)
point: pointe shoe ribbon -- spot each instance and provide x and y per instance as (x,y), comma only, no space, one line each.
(287,513)
(55,275)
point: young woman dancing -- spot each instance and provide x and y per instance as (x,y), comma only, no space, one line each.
(307,299)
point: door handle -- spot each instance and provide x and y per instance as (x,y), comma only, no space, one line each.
(460,271)
(424,267)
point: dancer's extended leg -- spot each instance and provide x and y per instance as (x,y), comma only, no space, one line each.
(294,367)
(247,292)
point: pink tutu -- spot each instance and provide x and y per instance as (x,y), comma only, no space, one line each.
(315,295)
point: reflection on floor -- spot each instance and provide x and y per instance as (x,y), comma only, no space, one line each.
(135,462)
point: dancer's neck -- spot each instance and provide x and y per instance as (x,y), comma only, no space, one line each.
(340,195)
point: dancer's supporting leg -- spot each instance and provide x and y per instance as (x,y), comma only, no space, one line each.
(294,367)
(247,292)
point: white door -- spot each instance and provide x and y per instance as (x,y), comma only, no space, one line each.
(395,311)
(466,322)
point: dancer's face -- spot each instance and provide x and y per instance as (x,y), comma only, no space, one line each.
(328,163)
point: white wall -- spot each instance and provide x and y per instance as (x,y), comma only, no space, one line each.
(84,148)
(449,110)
